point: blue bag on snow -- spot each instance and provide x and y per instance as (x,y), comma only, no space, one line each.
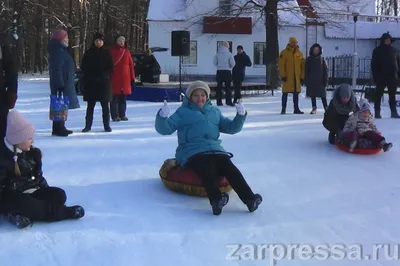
(58,107)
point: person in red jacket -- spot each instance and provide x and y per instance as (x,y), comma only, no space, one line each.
(122,78)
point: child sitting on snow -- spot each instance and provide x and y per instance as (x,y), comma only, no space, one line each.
(25,195)
(362,124)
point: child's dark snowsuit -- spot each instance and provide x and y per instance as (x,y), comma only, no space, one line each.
(26,197)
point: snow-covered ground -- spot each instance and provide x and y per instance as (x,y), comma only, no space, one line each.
(313,193)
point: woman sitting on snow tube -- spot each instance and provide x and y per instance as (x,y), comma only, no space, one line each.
(360,131)
(199,125)
(342,104)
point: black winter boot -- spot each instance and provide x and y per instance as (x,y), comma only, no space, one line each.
(219,204)
(252,205)
(296,104)
(298,111)
(394,114)
(63,128)
(393,107)
(283,111)
(75,212)
(386,146)
(59,130)
(19,221)
(106,123)
(88,125)
(331,138)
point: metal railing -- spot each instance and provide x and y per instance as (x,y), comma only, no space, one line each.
(341,70)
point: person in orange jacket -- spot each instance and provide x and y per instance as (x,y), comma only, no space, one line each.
(291,70)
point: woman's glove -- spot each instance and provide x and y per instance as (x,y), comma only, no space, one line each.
(164,112)
(240,108)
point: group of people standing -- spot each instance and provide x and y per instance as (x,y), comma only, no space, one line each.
(296,71)
(230,68)
(312,72)
(107,78)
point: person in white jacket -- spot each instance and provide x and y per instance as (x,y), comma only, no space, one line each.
(224,61)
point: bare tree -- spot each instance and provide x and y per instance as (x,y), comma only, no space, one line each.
(30,23)
(388,7)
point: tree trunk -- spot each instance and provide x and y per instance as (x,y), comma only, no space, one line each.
(272,44)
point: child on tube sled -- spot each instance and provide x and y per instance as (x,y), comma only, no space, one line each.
(362,125)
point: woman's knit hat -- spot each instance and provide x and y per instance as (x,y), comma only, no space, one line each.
(364,106)
(198,84)
(19,129)
(98,36)
(344,90)
(59,35)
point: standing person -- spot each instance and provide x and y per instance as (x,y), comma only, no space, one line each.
(291,71)
(242,60)
(97,67)
(8,83)
(385,67)
(224,61)
(316,77)
(122,78)
(62,73)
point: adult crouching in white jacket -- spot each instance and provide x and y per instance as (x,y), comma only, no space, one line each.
(224,61)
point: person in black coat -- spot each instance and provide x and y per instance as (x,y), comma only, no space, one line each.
(385,67)
(97,67)
(342,104)
(316,77)
(242,60)
(25,195)
(8,83)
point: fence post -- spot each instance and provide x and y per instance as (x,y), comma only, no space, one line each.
(333,72)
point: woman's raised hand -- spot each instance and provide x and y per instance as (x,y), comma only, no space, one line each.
(240,108)
(164,112)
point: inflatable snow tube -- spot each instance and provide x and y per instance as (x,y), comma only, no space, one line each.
(186,181)
(364,146)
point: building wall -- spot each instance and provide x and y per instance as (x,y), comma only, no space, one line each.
(337,47)
(160,36)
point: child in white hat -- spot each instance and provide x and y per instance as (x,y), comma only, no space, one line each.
(362,125)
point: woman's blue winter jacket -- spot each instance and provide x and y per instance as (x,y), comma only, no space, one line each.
(198,129)
(62,72)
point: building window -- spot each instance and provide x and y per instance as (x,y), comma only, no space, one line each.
(192,58)
(219,43)
(260,52)
(225,7)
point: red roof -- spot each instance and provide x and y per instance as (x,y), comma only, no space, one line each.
(307,8)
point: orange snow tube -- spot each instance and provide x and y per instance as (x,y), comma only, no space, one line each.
(186,181)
